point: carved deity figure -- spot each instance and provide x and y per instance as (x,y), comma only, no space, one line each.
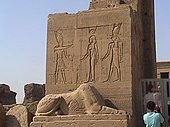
(93,54)
(60,53)
(115,49)
(84,100)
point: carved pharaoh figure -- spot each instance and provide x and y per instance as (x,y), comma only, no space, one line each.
(84,100)
(115,48)
(60,53)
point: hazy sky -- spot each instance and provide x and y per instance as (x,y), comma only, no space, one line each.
(23,29)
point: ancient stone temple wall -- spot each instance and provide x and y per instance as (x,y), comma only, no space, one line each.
(144,18)
(91,47)
(107,46)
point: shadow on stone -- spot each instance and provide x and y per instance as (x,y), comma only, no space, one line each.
(109,104)
(11,121)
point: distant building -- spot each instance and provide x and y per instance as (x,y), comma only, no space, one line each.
(163,69)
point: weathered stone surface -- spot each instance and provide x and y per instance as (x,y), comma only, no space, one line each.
(33,92)
(17,117)
(81,121)
(96,4)
(31,107)
(111,46)
(7,97)
(143,12)
(75,35)
(84,100)
(94,47)
(8,107)
(2,116)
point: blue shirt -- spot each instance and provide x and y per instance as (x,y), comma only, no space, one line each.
(152,119)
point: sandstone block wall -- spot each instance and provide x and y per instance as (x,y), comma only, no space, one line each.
(111,47)
(80,121)
(80,49)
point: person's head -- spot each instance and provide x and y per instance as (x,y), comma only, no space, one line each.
(150,87)
(151,106)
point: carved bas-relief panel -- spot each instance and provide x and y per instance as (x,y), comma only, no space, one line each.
(115,49)
(60,52)
(90,57)
(91,47)
(93,54)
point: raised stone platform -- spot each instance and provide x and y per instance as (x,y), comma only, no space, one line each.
(105,120)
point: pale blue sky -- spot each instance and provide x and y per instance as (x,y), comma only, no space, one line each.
(23,28)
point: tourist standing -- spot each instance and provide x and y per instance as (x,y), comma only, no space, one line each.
(152,118)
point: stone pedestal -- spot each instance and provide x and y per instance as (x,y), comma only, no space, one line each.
(80,121)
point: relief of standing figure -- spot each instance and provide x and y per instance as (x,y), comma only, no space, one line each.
(115,49)
(93,54)
(60,53)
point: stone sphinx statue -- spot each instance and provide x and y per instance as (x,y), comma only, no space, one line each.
(84,100)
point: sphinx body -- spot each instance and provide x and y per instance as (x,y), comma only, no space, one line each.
(84,100)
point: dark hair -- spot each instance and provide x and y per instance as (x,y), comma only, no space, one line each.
(151,105)
(149,87)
